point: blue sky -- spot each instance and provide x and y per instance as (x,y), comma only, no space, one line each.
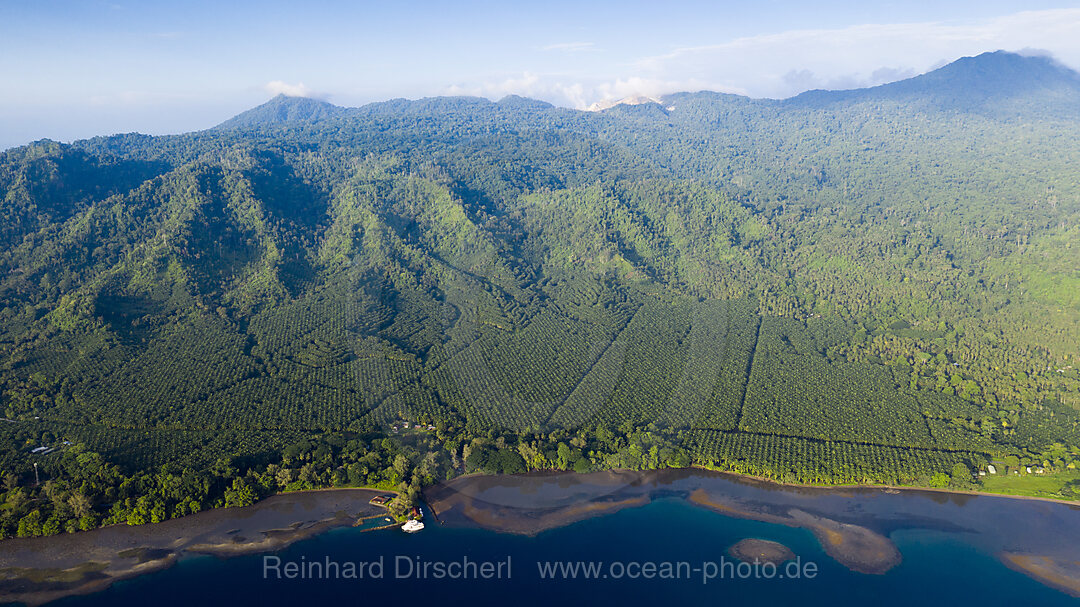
(73,69)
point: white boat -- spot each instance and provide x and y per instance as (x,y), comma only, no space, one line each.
(412,526)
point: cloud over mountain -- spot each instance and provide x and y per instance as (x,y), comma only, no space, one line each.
(786,63)
(278,87)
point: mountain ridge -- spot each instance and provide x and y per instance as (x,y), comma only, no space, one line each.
(969,83)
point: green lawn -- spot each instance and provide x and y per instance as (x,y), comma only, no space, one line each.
(1035,485)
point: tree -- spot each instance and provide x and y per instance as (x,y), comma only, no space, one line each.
(961,471)
(563,452)
(30,525)
(240,494)
(80,504)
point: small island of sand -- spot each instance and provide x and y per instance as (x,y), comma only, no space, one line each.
(1062,573)
(757,550)
(856,547)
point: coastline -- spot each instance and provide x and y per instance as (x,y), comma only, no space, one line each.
(531,503)
(812,486)
(38,570)
(831,488)
(909,488)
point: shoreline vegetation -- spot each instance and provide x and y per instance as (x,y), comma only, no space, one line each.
(84,492)
(917,488)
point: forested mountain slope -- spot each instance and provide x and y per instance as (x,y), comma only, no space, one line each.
(857,286)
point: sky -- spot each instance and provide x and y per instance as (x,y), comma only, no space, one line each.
(71,69)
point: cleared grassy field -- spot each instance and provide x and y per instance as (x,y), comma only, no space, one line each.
(1034,485)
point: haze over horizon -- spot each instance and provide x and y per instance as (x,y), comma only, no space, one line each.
(79,69)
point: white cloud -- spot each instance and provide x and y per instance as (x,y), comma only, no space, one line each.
(277,87)
(579,94)
(547,88)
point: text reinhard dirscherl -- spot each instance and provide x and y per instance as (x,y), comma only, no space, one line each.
(415,568)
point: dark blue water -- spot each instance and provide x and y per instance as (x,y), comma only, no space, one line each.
(939,568)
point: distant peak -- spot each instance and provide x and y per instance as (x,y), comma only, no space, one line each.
(281,109)
(998,83)
(631,100)
(1002,58)
(519,101)
(1027,65)
(286,98)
